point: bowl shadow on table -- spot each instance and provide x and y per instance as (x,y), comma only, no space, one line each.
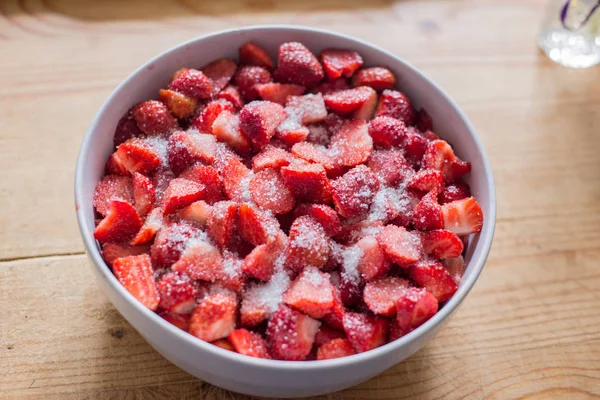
(155,377)
(89,10)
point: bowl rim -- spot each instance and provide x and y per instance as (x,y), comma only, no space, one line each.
(478,259)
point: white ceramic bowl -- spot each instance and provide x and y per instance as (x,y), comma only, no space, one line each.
(231,370)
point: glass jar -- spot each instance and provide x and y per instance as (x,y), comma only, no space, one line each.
(570,34)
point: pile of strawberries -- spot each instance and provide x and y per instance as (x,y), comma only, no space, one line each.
(296,211)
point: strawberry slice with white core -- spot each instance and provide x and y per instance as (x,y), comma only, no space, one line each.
(311,293)
(463,217)
(214,318)
(382,295)
(249,343)
(136,275)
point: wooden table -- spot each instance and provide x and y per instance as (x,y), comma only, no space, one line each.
(531,326)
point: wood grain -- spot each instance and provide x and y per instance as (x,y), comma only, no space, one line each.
(529,329)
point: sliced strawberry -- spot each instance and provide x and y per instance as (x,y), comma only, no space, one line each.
(112,187)
(220,73)
(315,154)
(224,344)
(414,307)
(254,310)
(336,316)
(255,226)
(112,251)
(259,120)
(340,62)
(351,282)
(200,260)
(137,277)
(192,82)
(232,95)
(382,295)
(326,334)
(453,192)
(177,293)
(308,182)
(126,129)
(222,222)
(332,86)
(308,109)
(143,194)
(455,267)
(226,129)
(427,214)
(414,147)
(291,131)
(208,177)
(434,277)
(427,180)
(424,122)
(260,263)
(296,64)
(121,223)
(463,217)
(335,348)
(181,193)
(160,180)
(247,78)
(311,293)
(308,245)
(214,318)
(278,92)
(395,104)
(152,224)
(154,118)
(402,247)
(170,242)
(373,263)
(114,166)
(251,53)
(186,149)
(180,105)
(179,320)
(430,135)
(291,334)
(324,215)
(441,243)
(233,277)
(236,177)
(365,332)
(379,78)
(249,343)
(440,156)
(352,232)
(205,119)
(138,155)
(367,109)
(353,193)
(390,166)
(269,192)
(387,131)
(346,101)
(351,144)
(271,157)
(197,212)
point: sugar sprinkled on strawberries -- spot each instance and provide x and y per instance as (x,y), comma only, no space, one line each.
(318,134)
(232,265)
(159,145)
(270,294)
(350,259)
